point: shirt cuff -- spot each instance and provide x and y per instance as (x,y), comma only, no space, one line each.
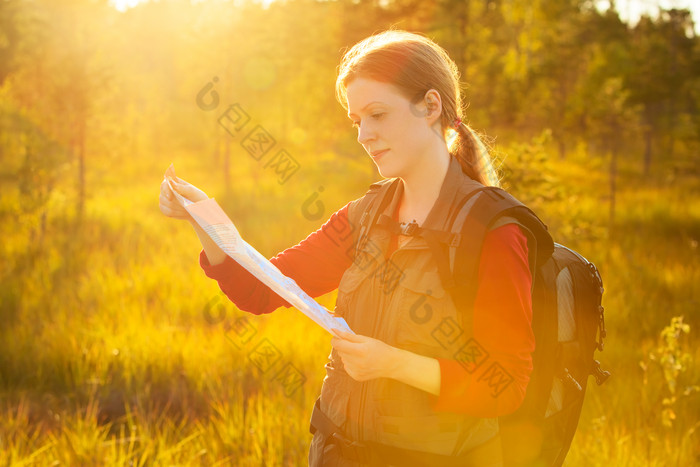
(218,271)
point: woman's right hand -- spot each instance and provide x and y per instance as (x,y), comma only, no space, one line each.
(171,207)
(169,204)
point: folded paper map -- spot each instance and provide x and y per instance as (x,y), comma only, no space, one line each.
(214,221)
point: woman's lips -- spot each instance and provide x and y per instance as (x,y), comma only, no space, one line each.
(378,154)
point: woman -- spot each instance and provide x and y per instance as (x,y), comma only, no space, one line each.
(409,388)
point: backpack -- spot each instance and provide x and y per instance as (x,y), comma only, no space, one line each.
(568,319)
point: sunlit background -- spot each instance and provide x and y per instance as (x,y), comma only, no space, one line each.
(629,10)
(115,349)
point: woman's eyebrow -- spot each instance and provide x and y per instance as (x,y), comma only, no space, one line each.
(350,114)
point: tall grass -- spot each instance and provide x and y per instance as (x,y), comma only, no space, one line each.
(115,349)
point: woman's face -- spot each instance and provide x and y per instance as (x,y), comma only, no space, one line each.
(396,133)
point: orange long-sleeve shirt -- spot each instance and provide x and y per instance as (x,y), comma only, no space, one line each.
(502,310)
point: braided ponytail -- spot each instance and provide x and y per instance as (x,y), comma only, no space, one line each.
(472,154)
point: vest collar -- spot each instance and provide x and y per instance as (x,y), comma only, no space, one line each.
(441,212)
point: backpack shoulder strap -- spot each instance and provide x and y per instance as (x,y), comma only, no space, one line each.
(363,212)
(490,208)
(443,244)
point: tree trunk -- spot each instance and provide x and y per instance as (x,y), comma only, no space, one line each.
(462,20)
(671,131)
(562,148)
(81,170)
(613,184)
(647,151)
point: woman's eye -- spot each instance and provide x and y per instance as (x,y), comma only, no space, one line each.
(376,116)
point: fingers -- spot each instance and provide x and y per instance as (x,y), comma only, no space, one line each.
(339,344)
(348,347)
(348,336)
(181,187)
(189,191)
(169,207)
(171,173)
(167,203)
(174,214)
(165,190)
(172,185)
(175,180)
(183,190)
(170,170)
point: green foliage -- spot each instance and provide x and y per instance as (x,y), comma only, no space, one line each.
(525,169)
(107,354)
(672,358)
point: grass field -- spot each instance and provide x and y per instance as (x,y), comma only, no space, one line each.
(115,349)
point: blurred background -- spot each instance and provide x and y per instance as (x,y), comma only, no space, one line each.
(115,349)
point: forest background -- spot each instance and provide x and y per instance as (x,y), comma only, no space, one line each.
(116,349)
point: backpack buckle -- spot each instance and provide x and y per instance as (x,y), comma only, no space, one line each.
(601,326)
(409,229)
(568,379)
(599,374)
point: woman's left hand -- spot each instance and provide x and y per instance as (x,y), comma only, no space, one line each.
(365,358)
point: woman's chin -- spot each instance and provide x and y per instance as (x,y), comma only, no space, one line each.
(385,171)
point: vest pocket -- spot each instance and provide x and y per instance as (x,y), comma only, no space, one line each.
(425,308)
(349,283)
(429,433)
(335,393)
(441,433)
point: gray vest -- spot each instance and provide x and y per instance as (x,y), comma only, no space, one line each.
(401,301)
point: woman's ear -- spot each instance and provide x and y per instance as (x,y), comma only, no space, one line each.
(433,105)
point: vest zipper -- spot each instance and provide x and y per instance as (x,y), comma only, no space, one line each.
(361,418)
(375,328)
(363,390)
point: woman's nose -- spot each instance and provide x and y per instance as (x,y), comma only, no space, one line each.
(364,134)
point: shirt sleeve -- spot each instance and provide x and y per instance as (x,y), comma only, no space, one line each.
(316,264)
(502,328)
